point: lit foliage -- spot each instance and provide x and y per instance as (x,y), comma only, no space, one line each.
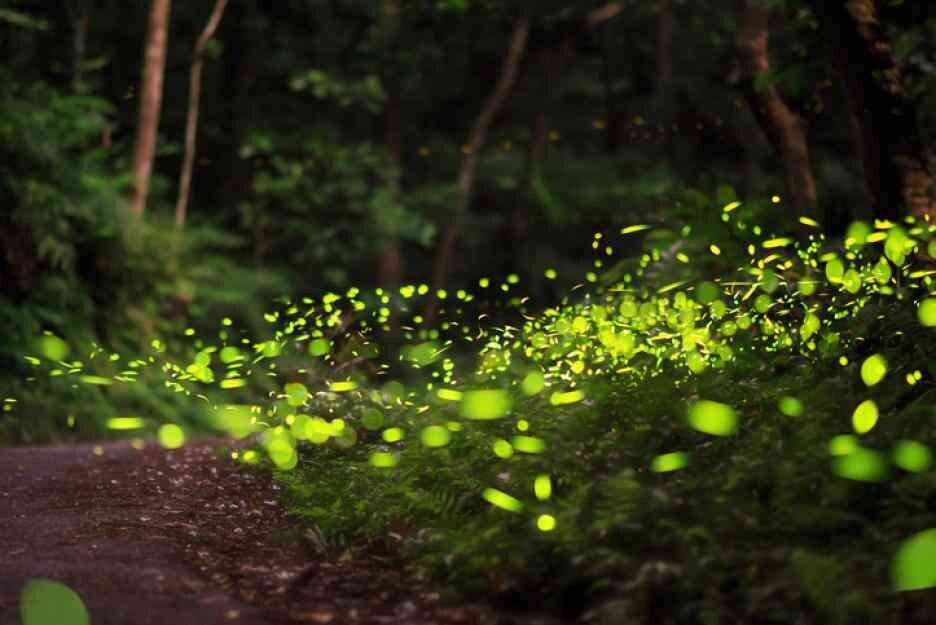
(623,332)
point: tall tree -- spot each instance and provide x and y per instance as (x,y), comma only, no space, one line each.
(150,97)
(191,121)
(666,28)
(892,152)
(466,173)
(79,15)
(390,261)
(784,128)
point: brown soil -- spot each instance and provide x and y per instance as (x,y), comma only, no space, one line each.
(186,537)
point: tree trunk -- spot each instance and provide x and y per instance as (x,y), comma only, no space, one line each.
(666,27)
(784,129)
(520,218)
(150,94)
(466,174)
(893,154)
(191,122)
(389,260)
(79,14)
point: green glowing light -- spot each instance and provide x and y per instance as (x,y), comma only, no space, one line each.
(673,461)
(842,445)
(96,380)
(230,354)
(778,242)
(863,465)
(865,416)
(435,436)
(927,312)
(319,347)
(790,406)
(383,459)
(236,420)
(542,487)
(392,435)
(502,449)
(52,347)
(318,431)
(296,393)
(528,444)
(485,404)
(873,369)
(569,397)
(546,522)
(45,602)
(835,271)
(125,423)
(912,567)
(635,228)
(171,436)
(533,383)
(713,418)
(502,500)
(449,394)
(912,456)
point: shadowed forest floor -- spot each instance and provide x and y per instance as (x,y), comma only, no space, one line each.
(155,536)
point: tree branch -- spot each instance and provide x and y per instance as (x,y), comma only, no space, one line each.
(191,122)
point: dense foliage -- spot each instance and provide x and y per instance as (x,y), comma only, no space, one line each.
(677,369)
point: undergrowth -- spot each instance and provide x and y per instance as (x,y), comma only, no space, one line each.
(722,430)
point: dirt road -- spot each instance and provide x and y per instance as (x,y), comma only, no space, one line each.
(183,537)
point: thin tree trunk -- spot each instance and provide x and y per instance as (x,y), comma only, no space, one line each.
(519,226)
(466,174)
(79,14)
(191,122)
(893,154)
(390,261)
(154,64)
(612,118)
(785,130)
(666,27)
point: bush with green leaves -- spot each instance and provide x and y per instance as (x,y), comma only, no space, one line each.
(718,442)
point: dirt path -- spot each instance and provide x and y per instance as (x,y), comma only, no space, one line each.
(182,537)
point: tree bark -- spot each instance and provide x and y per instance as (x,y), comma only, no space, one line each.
(893,155)
(666,27)
(154,64)
(785,130)
(79,14)
(191,122)
(389,260)
(466,174)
